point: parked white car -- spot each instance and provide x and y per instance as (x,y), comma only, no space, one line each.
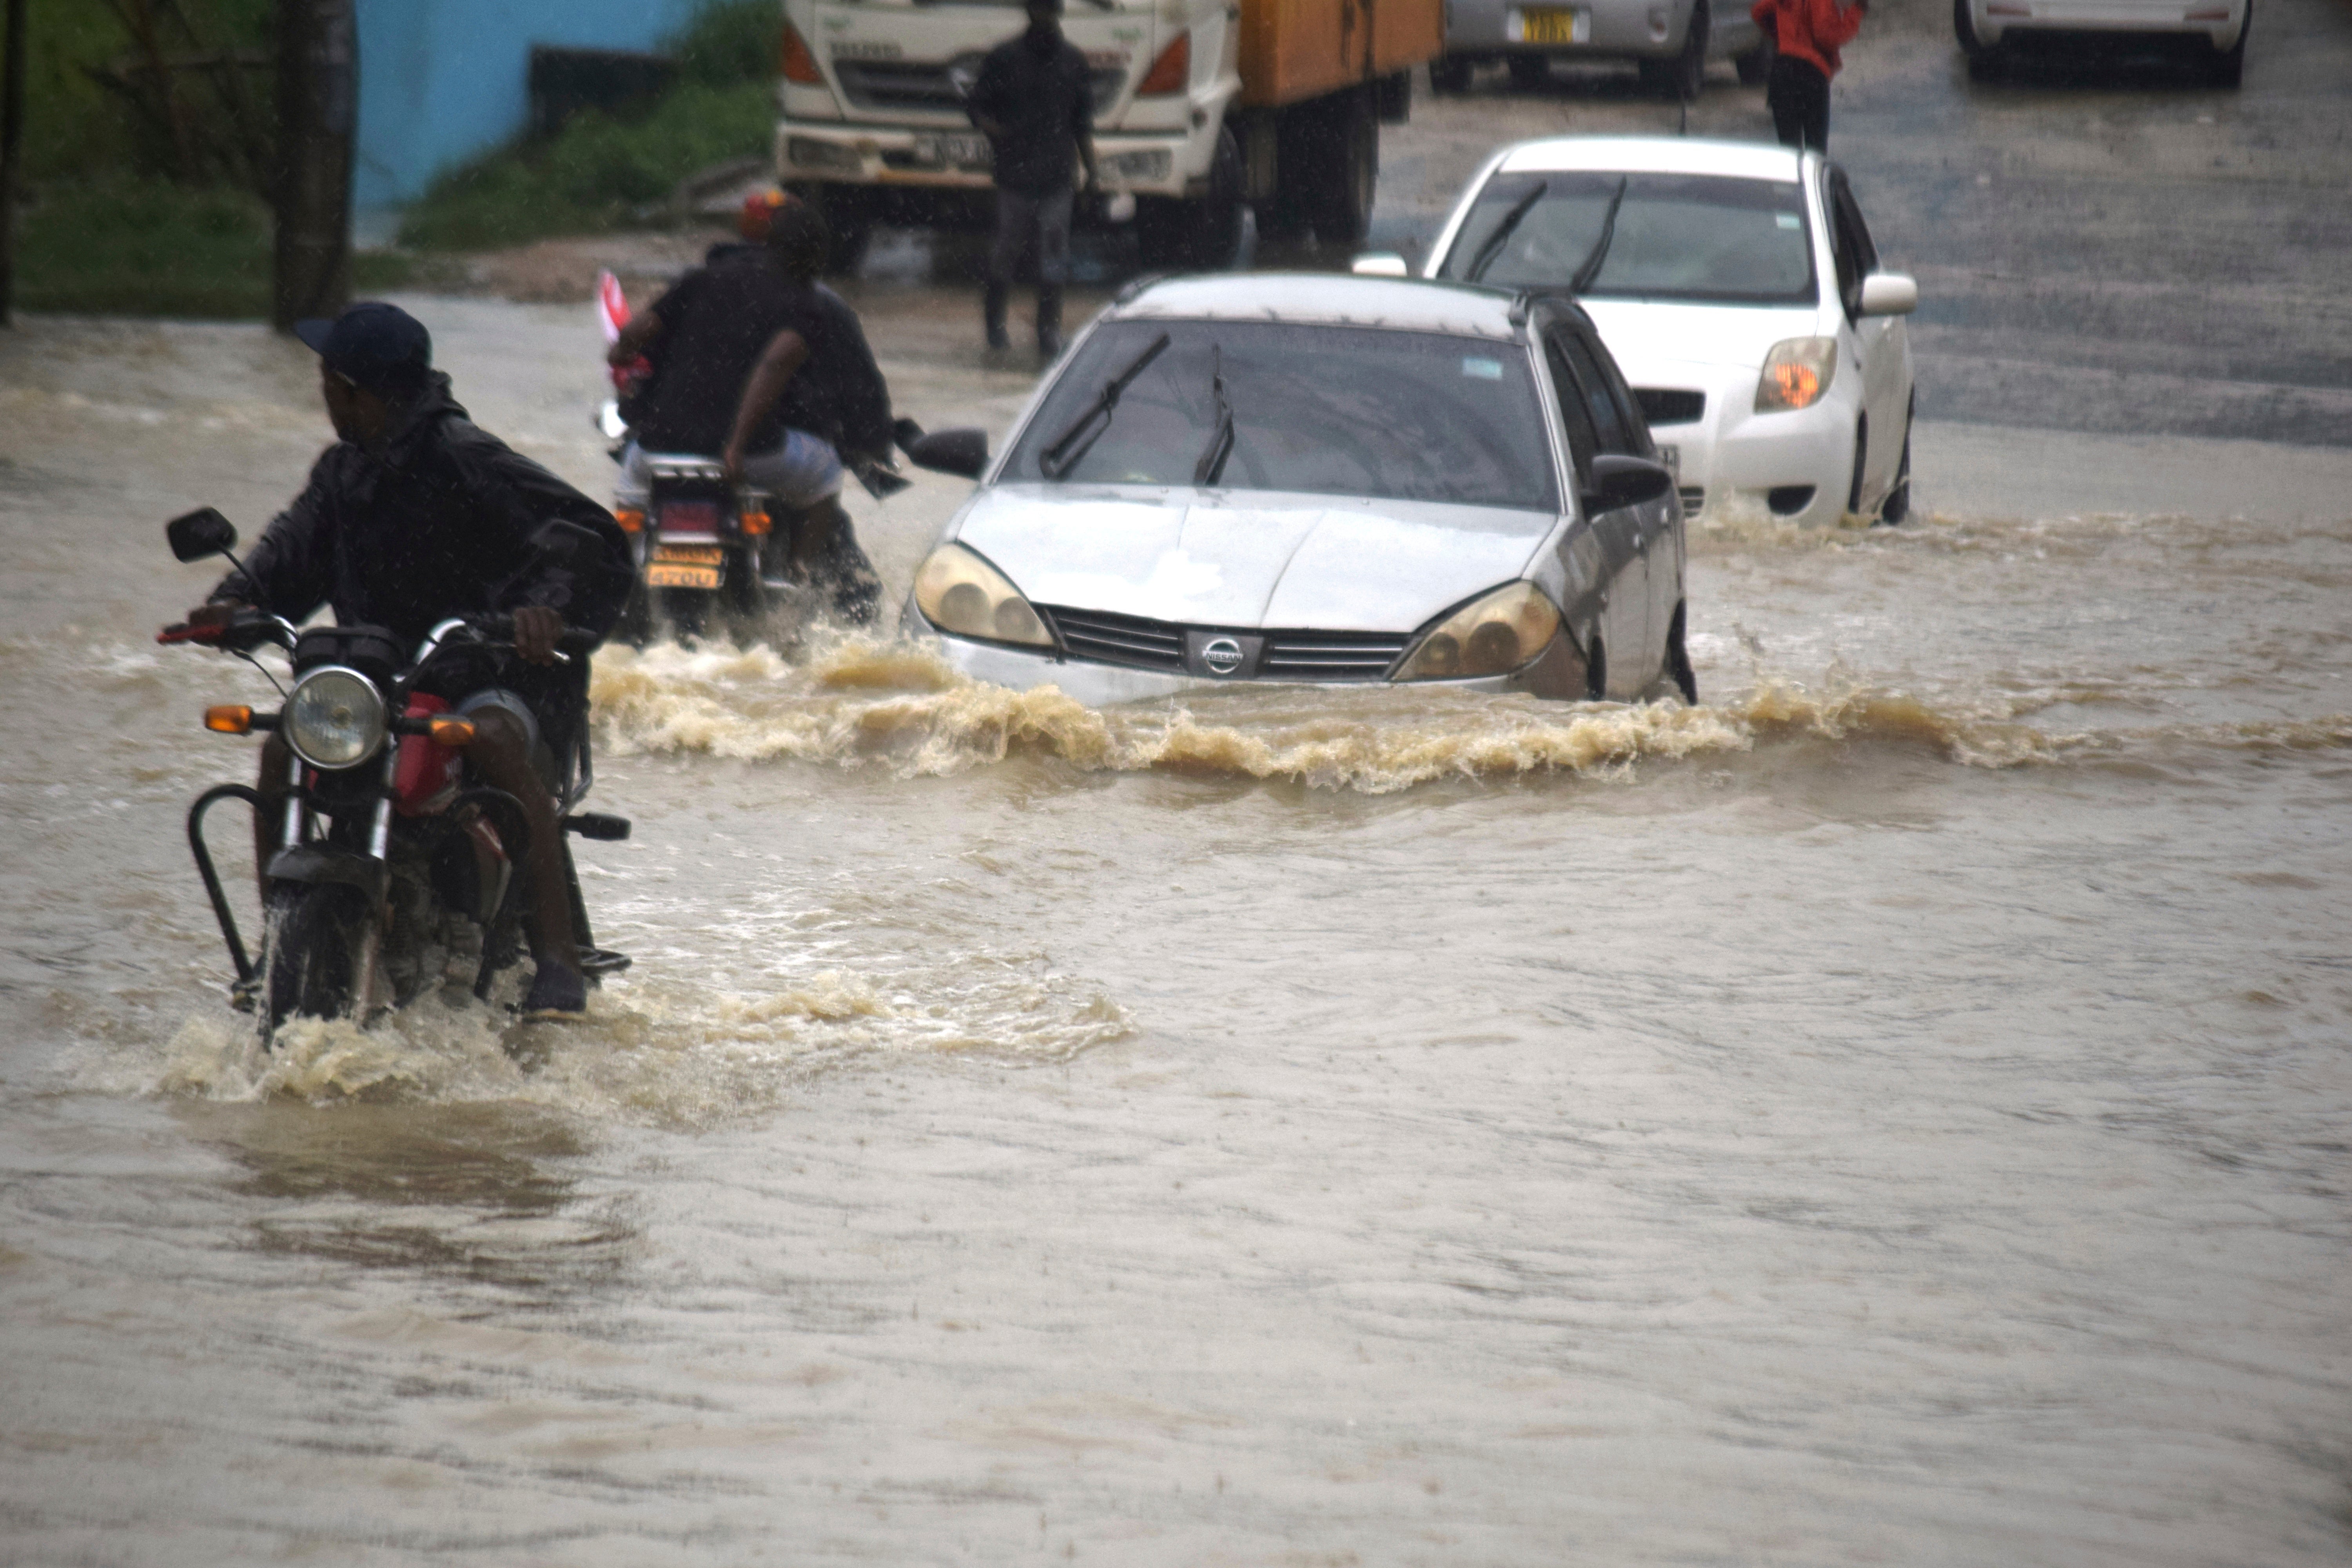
(1668,41)
(1987,28)
(1316,480)
(1737,287)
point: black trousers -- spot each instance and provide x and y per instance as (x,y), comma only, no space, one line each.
(1798,96)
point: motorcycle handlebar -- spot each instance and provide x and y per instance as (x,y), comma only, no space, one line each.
(500,628)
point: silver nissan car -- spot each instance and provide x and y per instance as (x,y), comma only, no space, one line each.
(1321,480)
(1670,42)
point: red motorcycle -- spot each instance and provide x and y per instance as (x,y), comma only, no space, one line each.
(387,866)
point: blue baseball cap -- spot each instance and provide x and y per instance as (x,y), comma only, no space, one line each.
(378,346)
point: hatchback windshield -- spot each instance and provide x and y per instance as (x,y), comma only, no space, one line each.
(1353,411)
(1675,237)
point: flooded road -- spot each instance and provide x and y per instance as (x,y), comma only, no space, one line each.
(1892,1112)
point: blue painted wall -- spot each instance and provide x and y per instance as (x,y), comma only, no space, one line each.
(442,81)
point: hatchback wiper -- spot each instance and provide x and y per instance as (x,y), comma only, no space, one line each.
(1492,246)
(1211,465)
(1591,268)
(1082,432)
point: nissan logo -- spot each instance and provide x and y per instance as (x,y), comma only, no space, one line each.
(1221,655)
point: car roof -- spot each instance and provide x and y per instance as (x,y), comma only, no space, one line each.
(1654,155)
(1323,299)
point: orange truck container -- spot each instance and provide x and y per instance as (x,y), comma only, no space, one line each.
(1293,50)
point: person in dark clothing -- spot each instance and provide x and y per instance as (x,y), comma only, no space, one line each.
(760,365)
(415,516)
(1034,99)
(1808,35)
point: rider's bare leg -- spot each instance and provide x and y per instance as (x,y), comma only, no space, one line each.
(498,753)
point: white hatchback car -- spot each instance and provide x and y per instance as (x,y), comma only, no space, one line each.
(2215,29)
(1739,289)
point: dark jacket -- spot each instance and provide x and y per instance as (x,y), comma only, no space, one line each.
(1043,100)
(439,525)
(717,320)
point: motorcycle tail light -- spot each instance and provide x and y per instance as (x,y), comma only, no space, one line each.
(691,517)
(229,719)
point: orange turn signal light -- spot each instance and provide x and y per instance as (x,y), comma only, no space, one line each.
(755,523)
(448,733)
(229,719)
(1172,72)
(632,519)
(799,64)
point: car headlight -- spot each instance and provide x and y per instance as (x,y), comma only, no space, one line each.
(959,592)
(1492,635)
(1796,374)
(334,717)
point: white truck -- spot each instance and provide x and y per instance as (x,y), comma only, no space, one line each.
(1201,107)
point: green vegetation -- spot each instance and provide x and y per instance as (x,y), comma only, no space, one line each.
(602,172)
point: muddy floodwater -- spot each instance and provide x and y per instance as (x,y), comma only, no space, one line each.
(1893,1112)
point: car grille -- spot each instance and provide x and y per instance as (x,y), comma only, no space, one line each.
(899,84)
(1668,406)
(1106,639)
(1328,656)
(1100,637)
(1694,499)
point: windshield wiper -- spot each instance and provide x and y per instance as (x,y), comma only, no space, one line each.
(1492,246)
(1211,465)
(1591,268)
(1072,444)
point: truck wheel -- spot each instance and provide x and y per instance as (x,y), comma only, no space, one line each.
(1342,179)
(1450,77)
(1198,236)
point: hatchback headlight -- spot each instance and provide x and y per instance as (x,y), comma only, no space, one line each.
(960,593)
(1492,635)
(334,717)
(1796,374)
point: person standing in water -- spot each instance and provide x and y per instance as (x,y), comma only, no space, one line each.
(1808,35)
(1034,100)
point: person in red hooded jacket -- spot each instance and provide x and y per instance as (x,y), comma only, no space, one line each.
(1809,34)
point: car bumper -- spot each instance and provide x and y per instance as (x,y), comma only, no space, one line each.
(909,159)
(1732,460)
(1641,29)
(2219,24)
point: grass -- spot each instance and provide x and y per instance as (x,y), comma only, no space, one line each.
(147,247)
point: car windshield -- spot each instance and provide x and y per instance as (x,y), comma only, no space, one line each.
(1355,411)
(1675,237)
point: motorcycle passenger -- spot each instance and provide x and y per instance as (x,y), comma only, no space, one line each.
(416,515)
(757,364)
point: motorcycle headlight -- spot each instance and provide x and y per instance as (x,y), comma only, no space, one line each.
(1796,374)
(334,717)
(959,592)
(1492,635)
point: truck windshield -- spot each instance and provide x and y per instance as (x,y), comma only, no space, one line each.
(1677,237)
(1353,411)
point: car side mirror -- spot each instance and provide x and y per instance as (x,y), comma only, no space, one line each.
(1621,482)
(196,534)
(1379,264)
(961,452)
(1889,294)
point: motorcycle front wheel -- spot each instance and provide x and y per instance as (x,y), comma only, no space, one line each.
(311,967)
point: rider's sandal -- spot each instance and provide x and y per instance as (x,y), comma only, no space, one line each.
(556,994)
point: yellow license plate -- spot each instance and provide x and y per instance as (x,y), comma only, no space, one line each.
(1554,24)
(671,575)
(690,555)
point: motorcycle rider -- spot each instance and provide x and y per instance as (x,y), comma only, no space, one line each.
(758,364)
(416,515)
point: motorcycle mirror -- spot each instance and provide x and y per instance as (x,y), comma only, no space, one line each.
(962,452)
(197,535)
(567,542)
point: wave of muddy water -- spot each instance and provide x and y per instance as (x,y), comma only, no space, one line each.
(1894,1111)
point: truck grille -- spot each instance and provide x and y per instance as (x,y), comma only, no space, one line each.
(1669,406)
(1106,638)
(902,84)
(1329,656)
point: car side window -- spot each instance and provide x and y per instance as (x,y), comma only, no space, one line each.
(1575,411)
(1610,433)
(1629,407)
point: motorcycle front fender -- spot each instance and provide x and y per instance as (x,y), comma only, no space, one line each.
(324,863)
